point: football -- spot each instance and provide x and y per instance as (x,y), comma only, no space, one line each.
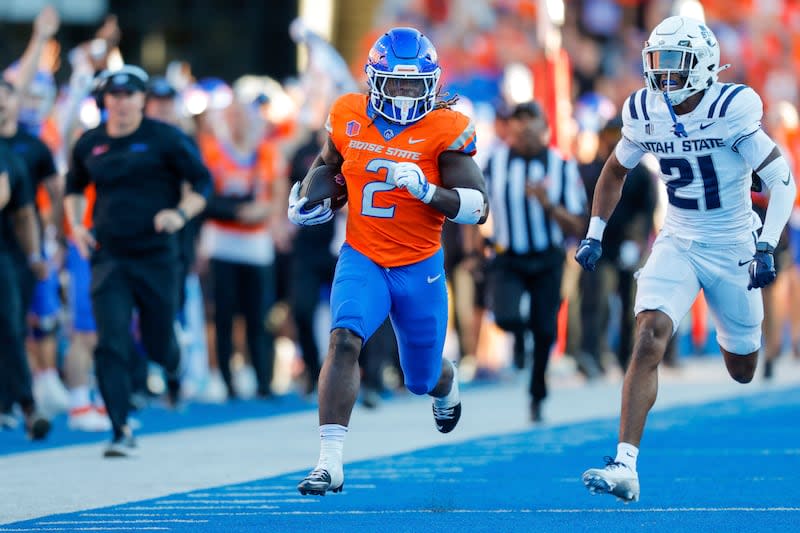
(324,183)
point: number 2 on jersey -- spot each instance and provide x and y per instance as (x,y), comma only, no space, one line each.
(372,188)
(686,176)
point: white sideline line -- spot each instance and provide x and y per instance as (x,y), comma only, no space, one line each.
(122,514)
(215,501)
(545,511)
(135,521)
(200,507)
(227,496)
(88,529)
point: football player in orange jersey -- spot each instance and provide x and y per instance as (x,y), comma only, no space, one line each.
(407,162)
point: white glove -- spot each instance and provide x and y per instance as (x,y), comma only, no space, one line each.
(410,177)
(318,215)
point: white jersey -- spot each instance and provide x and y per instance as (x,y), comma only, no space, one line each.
(708,182)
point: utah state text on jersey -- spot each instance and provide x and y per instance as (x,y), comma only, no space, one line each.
(689,145)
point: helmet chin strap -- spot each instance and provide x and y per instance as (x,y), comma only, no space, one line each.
(678,129)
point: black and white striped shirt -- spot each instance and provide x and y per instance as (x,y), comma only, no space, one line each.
(519,223)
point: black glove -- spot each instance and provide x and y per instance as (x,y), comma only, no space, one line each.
(762,267)
(589,252)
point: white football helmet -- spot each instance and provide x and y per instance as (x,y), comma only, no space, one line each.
(684,47)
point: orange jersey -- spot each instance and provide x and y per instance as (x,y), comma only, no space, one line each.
(51,136)
(43,203)
(387,224)
(237,175)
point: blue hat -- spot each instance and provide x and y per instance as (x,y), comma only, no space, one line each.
(129,78)
(159,87)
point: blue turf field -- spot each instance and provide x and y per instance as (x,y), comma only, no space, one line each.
(728,466)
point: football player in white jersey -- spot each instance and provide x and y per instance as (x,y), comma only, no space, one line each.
(708,139)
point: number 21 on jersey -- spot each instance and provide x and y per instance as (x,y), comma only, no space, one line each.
(686,176)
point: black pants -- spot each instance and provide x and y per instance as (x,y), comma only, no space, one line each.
(251,290)
(540,279)
(15,373)
(27,286)
(310,271)
(596,288)
(119,284)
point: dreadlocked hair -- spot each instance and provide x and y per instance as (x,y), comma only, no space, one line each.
(445,101)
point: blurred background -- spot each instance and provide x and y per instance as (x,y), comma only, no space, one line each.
(286,62)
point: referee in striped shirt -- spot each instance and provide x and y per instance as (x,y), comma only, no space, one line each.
(537,199)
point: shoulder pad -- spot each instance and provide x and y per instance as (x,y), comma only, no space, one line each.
(462,135)
(634,110)
(737,104)
(635,107)
(347,108)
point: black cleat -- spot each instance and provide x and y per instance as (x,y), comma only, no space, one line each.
(317,483)
(446,418)
(768,369)
(123,445)
(536,411)
(36,426)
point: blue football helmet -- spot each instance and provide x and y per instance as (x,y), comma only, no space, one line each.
(403,72)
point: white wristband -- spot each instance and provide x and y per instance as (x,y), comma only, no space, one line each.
(471,207)
(596,228)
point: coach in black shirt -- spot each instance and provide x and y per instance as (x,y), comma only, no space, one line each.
(537,198)
(17,226)
(137,166)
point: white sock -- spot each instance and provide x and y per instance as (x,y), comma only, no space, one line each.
(331,437)
(627,454)
(79,397)
(451,398)
(46,374)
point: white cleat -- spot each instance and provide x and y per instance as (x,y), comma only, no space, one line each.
(616,479)
(88,419)
(51,396)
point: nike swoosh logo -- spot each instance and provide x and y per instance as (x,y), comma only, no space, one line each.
(745,262)
(704,126)
(787,179)
(434,278)
(412,140)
